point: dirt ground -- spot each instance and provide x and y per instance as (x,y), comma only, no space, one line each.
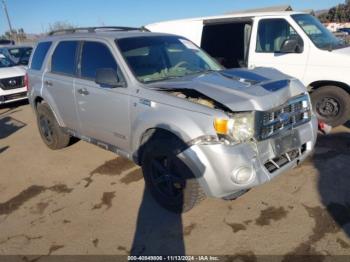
(84,200)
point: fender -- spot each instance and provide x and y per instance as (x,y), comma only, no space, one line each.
(182,124)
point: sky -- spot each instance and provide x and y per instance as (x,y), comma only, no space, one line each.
(34,16)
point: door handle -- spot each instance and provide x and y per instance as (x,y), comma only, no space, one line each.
(83,91)
(48,83)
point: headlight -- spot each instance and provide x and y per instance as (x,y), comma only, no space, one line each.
(240,127)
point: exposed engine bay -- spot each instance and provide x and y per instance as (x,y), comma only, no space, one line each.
(198,98)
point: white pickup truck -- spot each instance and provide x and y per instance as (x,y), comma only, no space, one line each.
(293,42)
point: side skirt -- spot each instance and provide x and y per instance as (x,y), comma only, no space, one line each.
(99,143)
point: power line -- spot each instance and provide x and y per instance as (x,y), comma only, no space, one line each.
(7,16)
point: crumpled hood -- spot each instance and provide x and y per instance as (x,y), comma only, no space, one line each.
(257,89)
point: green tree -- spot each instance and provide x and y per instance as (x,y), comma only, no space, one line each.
(339,13)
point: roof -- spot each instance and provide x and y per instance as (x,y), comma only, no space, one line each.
(277,8)
(101,34)
(234,15)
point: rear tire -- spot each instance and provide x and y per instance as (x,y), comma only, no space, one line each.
(170,181)
(50,131)
(331,105)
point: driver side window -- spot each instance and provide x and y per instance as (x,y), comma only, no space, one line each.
(272,33)
(96,55)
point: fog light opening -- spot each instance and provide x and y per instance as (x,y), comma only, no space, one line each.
(242,175)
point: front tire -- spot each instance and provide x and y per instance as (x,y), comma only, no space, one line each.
(170,181)
(331,105)
(50,131)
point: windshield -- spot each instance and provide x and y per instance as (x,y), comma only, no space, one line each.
(5,62)
(156,58)
(20,52)
(318,34)
(18,55)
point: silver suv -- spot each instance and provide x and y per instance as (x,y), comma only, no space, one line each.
(195,128)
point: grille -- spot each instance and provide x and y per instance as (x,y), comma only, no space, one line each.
(294,113)
(12,83)
(273,165)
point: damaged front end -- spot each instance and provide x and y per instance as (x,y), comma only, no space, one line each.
(196,97)
(264,127)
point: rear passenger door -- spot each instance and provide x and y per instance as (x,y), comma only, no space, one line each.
(58,82)
(103,111)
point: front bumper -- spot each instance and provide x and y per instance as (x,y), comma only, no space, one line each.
(213,165)
(8,96)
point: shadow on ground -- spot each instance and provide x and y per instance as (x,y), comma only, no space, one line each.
(158,231)
(3,149)
(347,124)
(169,180)
(9,125)
(11,106)
(332,160)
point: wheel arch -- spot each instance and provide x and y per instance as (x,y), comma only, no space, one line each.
(153,133)
(317,84)
(38,100)
(328,114)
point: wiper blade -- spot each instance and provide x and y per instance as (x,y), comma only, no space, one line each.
(161,79)
(202,72)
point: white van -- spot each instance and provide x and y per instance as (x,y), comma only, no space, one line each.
(295,43)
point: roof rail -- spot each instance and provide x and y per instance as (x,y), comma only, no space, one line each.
(97,28)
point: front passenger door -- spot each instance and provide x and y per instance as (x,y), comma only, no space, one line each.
(270,36)
(103,111)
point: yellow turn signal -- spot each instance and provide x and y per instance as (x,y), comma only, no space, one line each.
(221,126)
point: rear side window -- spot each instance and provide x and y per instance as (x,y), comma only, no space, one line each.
(64,58)
(96,55)
(39,55)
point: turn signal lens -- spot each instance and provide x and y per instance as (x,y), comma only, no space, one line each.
(221,126)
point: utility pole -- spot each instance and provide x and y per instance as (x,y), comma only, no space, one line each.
(7,16)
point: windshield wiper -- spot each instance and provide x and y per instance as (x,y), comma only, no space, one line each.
(188,74)
(160,79)
(207,71)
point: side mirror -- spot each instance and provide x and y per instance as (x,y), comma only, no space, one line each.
(108,77)
(290,46)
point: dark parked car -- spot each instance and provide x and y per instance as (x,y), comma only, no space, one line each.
(6,42)
(344,30)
